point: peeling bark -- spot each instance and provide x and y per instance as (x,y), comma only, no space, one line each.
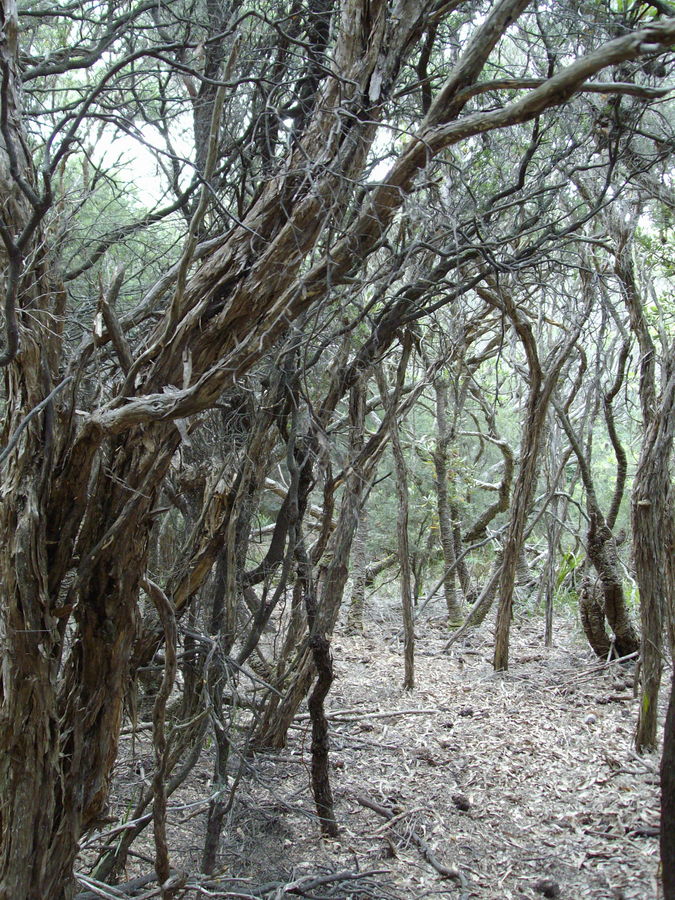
(653,518)
(667,841)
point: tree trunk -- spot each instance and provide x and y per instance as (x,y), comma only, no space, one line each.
(483,602)
(360,574)
(602,552)
(445,523)
(542,381)
(323,795)
(668,800)
(404,559)
(522,499)
(402,495)
(653,518)
(468,589)
(295,677)
(592,613)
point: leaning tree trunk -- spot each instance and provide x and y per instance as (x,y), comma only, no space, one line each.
(522,499)
(295,677)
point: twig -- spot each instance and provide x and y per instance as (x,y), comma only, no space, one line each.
(118,829)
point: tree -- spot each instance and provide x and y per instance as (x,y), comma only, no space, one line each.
(280,217)
(445,524)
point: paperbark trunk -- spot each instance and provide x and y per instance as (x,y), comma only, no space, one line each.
(653,518)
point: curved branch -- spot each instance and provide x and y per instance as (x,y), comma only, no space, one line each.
(619,452)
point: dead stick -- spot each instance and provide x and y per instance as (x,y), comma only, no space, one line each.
(338,714)
(595,669)
(417,839)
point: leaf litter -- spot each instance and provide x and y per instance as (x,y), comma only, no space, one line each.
(522,784)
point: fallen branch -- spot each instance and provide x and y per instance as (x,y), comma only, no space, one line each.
(339,714)
(595,670)
(311,882)
(97,889)
(426,851)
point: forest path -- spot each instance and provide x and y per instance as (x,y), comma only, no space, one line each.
(524,781)
(558,802)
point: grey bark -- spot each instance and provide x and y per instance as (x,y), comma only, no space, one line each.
(402,516)
(360,575)
(445,523)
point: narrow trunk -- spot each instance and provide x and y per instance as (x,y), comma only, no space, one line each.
(653,518)
(323,796)
(553,538)
(513,546)
(468,589)
(668,800)
(542,381)
(482,604)
(360,574)
(402,495)
(218,804)
(295,674)
(445,524)
(357,438)
(404,559)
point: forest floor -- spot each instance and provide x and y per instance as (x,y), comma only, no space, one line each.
(525,782)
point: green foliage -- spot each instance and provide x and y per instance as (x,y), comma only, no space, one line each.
(569,562)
